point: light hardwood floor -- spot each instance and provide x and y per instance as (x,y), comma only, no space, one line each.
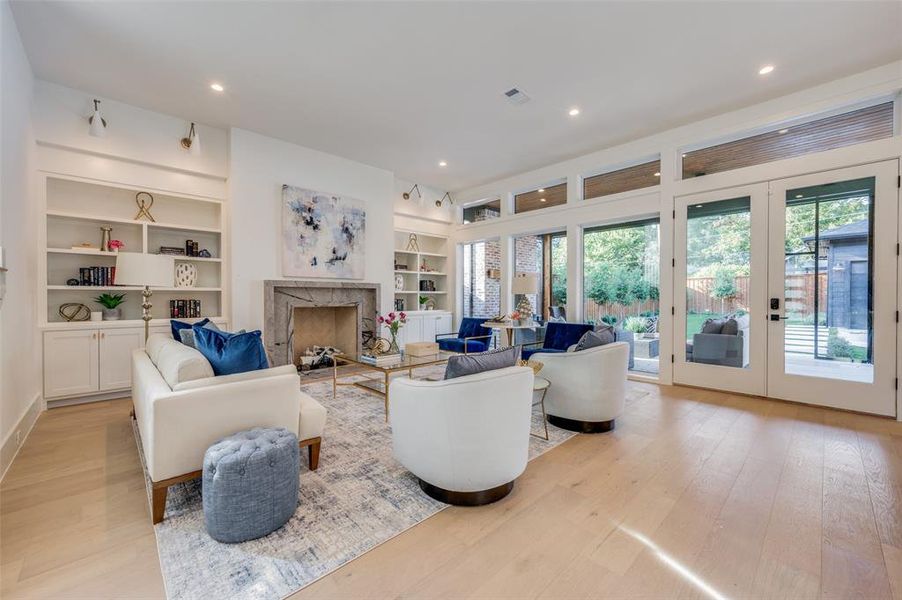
(696,494)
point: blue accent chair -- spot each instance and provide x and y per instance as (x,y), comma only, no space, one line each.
(559,337)
(472,337)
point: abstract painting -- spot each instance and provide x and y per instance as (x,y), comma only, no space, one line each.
(323,235)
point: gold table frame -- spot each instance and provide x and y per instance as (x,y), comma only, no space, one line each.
(406,363)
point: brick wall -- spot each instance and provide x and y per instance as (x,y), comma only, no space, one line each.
(528,259)
(482,295)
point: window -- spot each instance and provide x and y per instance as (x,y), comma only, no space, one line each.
(862,125)
(483,211)
(553,195)
(621,279)
(481,279)
(542,258)
(622,180)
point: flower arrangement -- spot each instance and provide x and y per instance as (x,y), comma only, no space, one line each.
(515,316)
(393,321)
(115,245)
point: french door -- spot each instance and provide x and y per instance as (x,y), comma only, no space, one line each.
(790,288)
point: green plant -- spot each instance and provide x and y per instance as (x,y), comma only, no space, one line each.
(838,347)
(110,300)
(724,286)
(423,300)
(635,324)
(609,319)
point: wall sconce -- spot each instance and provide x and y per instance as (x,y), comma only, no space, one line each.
(96,123)
(406,195)
(438,203)
(191,143)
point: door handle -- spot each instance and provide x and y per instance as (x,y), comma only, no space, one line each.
(777,317)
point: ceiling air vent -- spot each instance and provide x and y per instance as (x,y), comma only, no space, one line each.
(515,96)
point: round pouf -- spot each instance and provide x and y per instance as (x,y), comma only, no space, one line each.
(250,483)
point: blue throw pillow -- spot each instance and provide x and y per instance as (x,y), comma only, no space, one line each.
(231,353)
(179,325)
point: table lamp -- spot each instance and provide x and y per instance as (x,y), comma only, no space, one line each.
(148,271)
(524,284)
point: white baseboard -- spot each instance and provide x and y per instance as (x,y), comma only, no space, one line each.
(19,434)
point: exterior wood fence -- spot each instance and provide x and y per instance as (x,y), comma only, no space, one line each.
(700,298)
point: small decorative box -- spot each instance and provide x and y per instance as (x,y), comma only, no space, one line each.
(421,348)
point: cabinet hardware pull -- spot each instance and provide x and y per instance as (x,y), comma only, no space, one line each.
(102,335)
(93,336)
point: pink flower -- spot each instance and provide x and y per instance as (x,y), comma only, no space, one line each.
(403,316)
(381,319)
(391,315)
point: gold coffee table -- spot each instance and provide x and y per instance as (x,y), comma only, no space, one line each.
(379,385)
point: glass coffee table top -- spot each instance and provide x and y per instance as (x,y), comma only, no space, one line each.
(405,361)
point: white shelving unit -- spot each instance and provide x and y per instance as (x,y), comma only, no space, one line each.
(75,210)
(428,263)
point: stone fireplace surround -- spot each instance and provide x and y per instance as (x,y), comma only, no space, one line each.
(281,297)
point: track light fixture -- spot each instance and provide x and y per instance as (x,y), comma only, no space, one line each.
(438,203)
(415,188)
(97,124)
(191,142)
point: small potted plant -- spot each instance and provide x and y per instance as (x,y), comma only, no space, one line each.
(423,300)
(394,322)
(116,245)
(110,303)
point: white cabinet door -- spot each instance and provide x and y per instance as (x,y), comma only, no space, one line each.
(116,347)
(70,363)
(414,328)
(443,324)
(430,327)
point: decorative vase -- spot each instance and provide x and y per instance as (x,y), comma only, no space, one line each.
(393,347)
(185,275)
(105,237)
(112,314)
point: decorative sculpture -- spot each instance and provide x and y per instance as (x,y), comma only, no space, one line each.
(144,207)
(74,311)
(412,244)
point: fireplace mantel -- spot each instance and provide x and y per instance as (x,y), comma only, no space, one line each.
(281,297)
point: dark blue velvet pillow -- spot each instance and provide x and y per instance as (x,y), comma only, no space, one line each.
(231,353)
(179,325)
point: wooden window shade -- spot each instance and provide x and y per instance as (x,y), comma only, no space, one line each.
(482,212)
(550,196)
(862,125)
(622,180)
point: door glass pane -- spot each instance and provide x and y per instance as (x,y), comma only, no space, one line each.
(828,289)
(558,267)
(482,279)
(527,286)
(718,263)
(621,279)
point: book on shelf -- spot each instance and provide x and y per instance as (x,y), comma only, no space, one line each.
(97,276)
(382,359)
(184,309)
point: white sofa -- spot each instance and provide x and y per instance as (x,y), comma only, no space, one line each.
(465,439)
(587,389)
(181,408)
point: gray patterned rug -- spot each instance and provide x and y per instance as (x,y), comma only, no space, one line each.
(359,498)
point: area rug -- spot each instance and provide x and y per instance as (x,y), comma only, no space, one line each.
(359,498)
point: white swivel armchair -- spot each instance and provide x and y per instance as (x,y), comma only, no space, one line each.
(587,388)
(465,439)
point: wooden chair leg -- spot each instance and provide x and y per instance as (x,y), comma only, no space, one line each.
(159,503)
(313,454)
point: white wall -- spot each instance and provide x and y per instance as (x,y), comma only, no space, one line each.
(20,382)
(419,213)
(259,166)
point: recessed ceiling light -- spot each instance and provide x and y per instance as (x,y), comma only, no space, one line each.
(540,190)
(216,87)
(573,112)
(657,174)
(782,131)
(799,196)
(765,69)
(442,163)
(684,156)
(699,205)
(541,199)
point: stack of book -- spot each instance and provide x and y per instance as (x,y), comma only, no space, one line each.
(381,359)
(184,309)
(96,276)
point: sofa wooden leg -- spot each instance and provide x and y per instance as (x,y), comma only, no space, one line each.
(313,454)
(159,503)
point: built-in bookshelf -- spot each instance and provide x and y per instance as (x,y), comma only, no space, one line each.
(74,213)
(423,266)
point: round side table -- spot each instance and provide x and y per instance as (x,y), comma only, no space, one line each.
(541,384)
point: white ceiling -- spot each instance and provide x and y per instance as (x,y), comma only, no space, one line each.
(403,85)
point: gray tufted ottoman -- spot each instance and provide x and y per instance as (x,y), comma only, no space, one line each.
(250,483)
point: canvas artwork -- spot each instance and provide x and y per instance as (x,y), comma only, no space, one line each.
(323,234)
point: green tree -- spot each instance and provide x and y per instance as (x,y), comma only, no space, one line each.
(724,285)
